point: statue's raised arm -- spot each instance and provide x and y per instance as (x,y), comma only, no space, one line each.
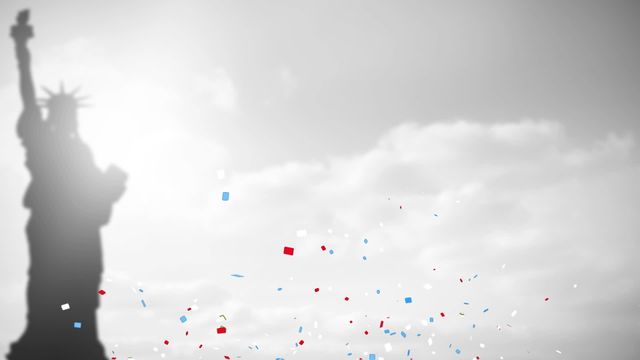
(21,33)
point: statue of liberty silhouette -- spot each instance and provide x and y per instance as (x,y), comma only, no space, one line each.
(69,199)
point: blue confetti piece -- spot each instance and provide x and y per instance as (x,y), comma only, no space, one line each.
(393,333)
(144,304)
(372,356)
(485,310)
(225,196)
(141,290)
(474,326)
(237,275)
(378,291)
(331,252)
(349,354)
(403,334)
(386,331)
(364,258)
(300,330)
(458,351)
(279,289)
(408,352)
(183,319)
(408,300)
(366,241)
(77,325)
(466,303)
(431,319)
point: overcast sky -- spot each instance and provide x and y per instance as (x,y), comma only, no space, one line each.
(460,138)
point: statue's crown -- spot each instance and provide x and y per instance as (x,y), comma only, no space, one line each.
(63,98)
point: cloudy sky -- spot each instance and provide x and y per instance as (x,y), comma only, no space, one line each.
(494,142)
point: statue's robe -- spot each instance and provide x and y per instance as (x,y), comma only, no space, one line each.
(69,199)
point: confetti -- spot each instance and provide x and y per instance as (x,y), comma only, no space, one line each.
(442,314)
(77,325)
(166,342)
(346,298)
(221,330)
(316,289)
(101,292)
(323,248)
(288,250)
(144,304)
(408,300)
(387,347)
(237,275)
(65,306)
(301,342)
(225,196)
(183,319)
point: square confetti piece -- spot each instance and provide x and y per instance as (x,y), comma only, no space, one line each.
(288,250)
(225,196)
(221,330)
(408,300)
(101,292)
(183,319)
(77,325)
(65,307)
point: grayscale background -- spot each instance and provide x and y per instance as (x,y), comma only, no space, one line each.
(506,130)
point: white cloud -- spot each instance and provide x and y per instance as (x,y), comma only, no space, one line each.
(220,88)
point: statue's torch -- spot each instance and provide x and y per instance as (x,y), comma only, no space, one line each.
(22,31)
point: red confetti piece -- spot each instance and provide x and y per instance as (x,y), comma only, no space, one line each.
(323,248)
(166,342)
(187,333)
(102,292)
(226,357)
(546,299)
(316,289)
(461,280)
(222,330)
(346,298)
(301,342)
(366,332)
(288,250)
(381,323)
(442,314)
(189,309)
(200,347)
(350,321)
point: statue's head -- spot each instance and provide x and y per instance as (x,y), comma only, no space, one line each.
(63,111)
